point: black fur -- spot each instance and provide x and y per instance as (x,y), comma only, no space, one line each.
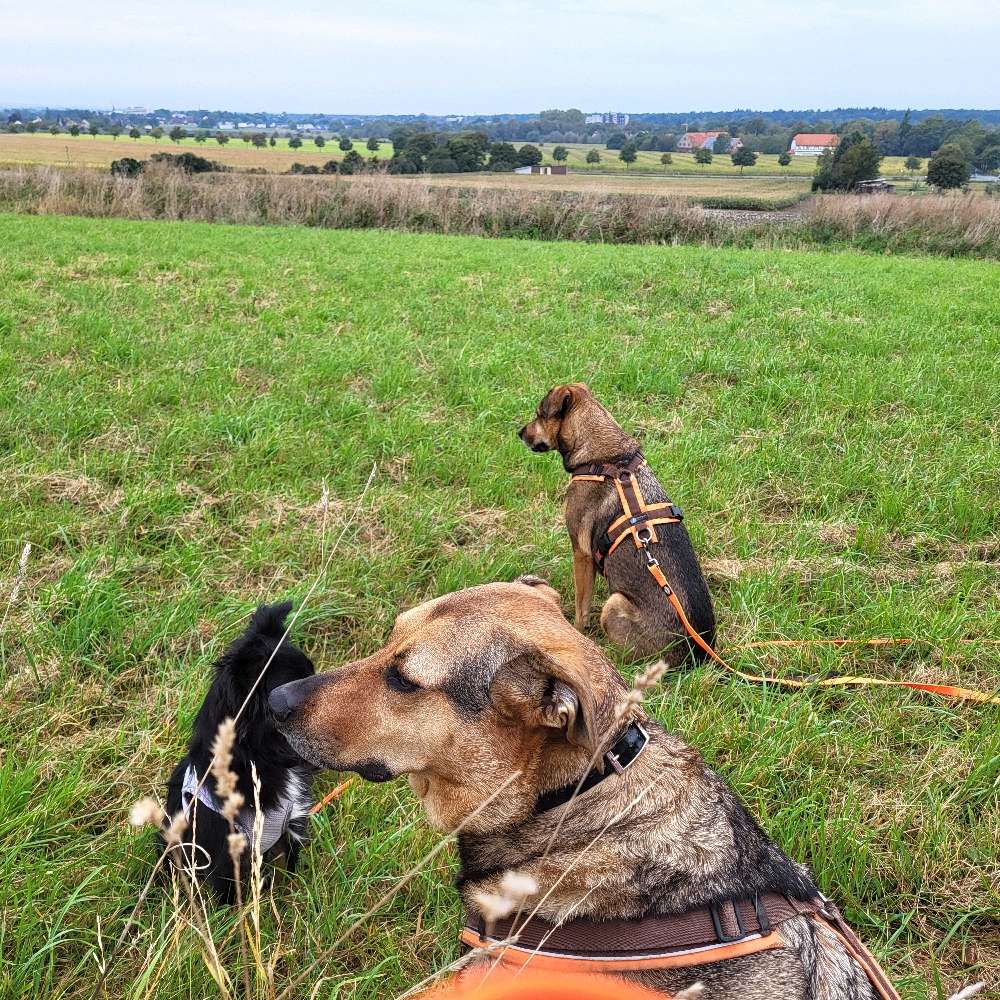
(258,743)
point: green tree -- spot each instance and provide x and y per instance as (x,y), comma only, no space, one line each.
(352,162)
(54,129)
(949,168)
(560,154)
(593,156)
(115,131)
(259,139)
(134,133)
(784,159)
(989,158)
(703,156)
(913,164)
(372,145)
(74,130)
(855,159)
(346,145)
(273,141)
(295,142)
(616,140)
(627,155)
(666,159)
(221,138)
(177,133)
(744,157)
(319,142)
(502,156)
(721,144)
(93,130)
(528,155)
(200,136)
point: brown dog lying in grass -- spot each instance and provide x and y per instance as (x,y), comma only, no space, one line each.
(515,729)
(637,615)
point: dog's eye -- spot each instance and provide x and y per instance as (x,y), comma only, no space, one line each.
(397,682)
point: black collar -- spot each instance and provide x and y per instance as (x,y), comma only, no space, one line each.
(629,462)
(623,752)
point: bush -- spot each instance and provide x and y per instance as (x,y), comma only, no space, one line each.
(949,168)
(127,166)
(528,155)
(190,163)
(303,168)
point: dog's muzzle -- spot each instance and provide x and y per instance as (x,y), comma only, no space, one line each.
(533,445)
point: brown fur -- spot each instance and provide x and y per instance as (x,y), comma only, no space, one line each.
(506,685)
(636,616)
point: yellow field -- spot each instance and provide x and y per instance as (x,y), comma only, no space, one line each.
(88,151)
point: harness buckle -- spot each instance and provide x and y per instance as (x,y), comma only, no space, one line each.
(713,909)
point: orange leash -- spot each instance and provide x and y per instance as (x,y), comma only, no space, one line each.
(330,796)
(945,690)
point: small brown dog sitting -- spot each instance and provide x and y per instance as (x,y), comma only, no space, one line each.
(610,482)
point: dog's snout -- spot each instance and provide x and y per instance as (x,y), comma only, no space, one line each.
(285,701)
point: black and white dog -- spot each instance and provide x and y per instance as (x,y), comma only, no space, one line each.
(284,776)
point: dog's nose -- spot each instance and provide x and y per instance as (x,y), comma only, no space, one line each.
(285,701)
(521,433)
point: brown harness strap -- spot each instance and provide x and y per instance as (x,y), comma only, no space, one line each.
(707,934)
(831,918)
(514,957)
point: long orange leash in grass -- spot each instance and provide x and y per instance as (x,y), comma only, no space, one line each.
(638,519)
(945,690)
(330,796)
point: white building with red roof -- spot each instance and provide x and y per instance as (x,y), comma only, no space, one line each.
(813,143)
(703,140)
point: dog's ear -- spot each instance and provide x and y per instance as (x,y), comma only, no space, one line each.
(541,587)
(558,402)
(569,702)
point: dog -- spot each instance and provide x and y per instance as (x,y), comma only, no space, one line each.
(497,710)
(284,776)
(636,615)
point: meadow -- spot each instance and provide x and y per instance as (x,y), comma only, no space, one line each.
(177,400)
(648,161)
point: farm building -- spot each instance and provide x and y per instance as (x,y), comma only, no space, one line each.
(542,168)
(704,140)
(813,143)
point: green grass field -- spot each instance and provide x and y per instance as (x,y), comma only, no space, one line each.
(175,396)
(684,163)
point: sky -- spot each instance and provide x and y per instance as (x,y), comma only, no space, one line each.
(474,56)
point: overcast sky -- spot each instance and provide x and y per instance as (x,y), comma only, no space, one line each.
(470,56)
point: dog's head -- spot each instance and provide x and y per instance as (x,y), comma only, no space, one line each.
(571,421)
(554,418)
(469,689)
(238,669)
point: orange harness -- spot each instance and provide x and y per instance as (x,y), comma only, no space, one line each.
(638,519)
